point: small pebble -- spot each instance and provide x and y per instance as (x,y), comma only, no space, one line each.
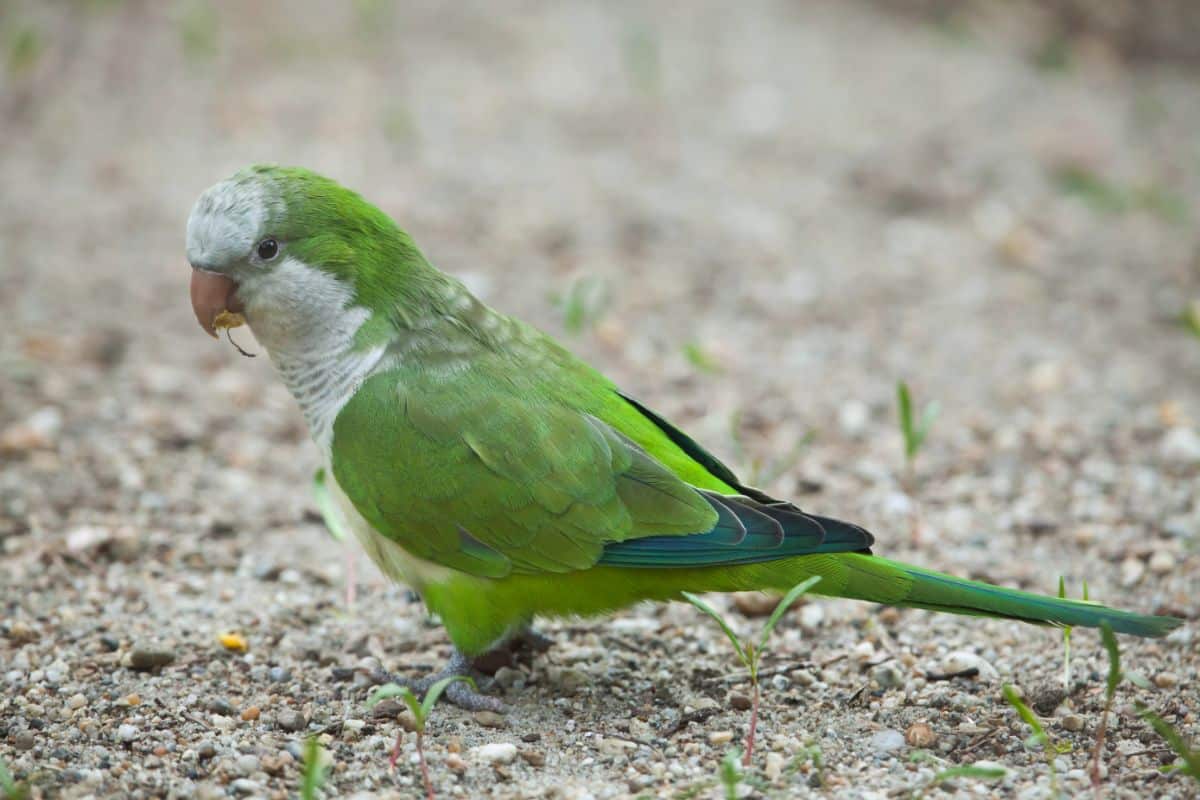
(246,764)
(279,674)
(1073,723)
(754,604)
(509,678)
(1166,680)
(740,702)
(963,660)
(887,741)
(127,733)
(76,701)
(455,762)
(245,786)
(490,719)
(534,758)
(495,752)
(291,720)
(921,735)
(888,676)
(720,738)
(222,706)
(780,683)
(206,750)
(250,714)
(147,658)
(24,740)
(1161,562)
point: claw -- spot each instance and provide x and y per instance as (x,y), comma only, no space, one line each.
(459,693)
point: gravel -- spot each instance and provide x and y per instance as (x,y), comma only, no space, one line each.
(787,209)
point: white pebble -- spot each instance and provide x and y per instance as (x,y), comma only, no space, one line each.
(496,752)
(127,733)
(963,660)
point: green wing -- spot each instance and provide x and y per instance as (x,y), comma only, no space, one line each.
(480,473)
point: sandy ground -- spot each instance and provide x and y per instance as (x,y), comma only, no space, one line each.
(787,210)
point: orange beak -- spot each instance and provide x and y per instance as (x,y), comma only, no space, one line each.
(212,294)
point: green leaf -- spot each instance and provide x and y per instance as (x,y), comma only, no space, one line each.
(390,690)
(783,605)
(904,400)
(712,612)
(1114,659)
(314,772)
(326,507)
(1175,740)
(434,692)
(731,773)
(969,771)
(1026,714)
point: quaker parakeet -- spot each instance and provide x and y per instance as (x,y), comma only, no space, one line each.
(484,465)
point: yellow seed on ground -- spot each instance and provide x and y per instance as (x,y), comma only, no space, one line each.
(234,641)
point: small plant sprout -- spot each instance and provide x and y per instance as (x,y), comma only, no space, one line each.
(731,774)
(1039,737)
(583,304)
(314,769)
(972,771)
(421,710)
(1115,676)
(1191,318)
(914,431)
(1062,593)
(1174,740)
(750,654)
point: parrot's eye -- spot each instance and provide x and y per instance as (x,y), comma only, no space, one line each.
(267,249)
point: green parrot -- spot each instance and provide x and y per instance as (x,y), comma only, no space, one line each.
(484,465)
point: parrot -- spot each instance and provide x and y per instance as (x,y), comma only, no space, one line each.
(482,464)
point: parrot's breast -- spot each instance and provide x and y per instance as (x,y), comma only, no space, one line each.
(393,560)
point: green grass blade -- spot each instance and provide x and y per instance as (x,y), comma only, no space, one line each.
(390,690)
(1114,660)
(1025,713)
(325,505)
(1175,740)
(782,607)
(435,691)
(712,612)
(904,401)
(731,773)
(314,773)
(969,771)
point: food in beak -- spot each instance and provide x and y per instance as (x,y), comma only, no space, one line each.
(215,302)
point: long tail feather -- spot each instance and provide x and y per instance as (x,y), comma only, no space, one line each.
(883,581)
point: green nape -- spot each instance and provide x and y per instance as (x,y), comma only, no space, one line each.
(478,612)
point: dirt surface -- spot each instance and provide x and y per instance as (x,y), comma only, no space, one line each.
(788,211)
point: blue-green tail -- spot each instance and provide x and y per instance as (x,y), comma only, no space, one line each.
(883,581)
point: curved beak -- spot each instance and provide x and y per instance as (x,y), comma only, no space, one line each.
(212,293)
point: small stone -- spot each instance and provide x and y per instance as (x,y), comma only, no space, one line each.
(20,633)
(277,764)
(76,701)
(853,416)
(1132,571)
(1073,723)
(569,679)
(803,677)
(245,786)
(250,714)
(754,604)
(222,706)
(279,674)
(612,746)
(455,762)
(921,735)
(740,702)
(1166,680)
(964,660)
(780,683)
(495,752)
(490,719)
(1161,562)
(246,764)
(534,758)
(127,733)
(1180,445)
(291,720)
(206,750)
(148,658)
(888,676)
(131,699)
(887,741)
(24,740)
(775,765)
(1046,697)
(720,738)
(509,678)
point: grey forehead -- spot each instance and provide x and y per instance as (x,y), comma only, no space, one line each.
(226,221)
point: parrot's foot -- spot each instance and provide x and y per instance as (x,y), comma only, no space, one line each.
(525,641)
(459,693)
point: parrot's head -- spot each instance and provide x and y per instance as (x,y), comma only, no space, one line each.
(292,251)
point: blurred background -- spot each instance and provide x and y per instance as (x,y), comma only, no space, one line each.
(757,220)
